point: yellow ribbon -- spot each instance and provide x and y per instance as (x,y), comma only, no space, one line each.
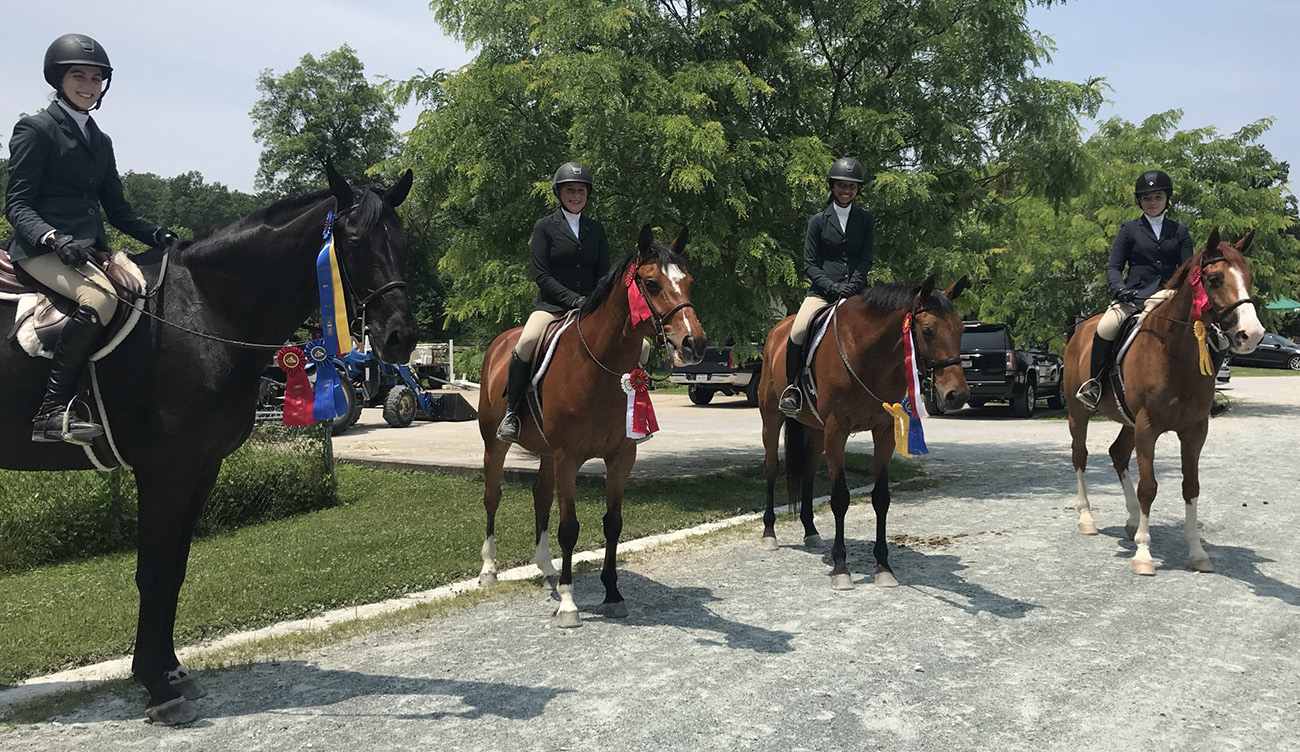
(901,420)
(1207,368)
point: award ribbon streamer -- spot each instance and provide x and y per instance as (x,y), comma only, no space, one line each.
(331,402)
(900,426)
(912,403)
(640,421)
(333,306)
(297,390)
(636,302)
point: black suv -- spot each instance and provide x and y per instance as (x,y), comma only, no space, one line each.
(997,372)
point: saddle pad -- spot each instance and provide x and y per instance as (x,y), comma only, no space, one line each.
(550,350)
(39,315)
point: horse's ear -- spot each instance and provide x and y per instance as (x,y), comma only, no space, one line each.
(957,288)
(338,186)
(679,243)
(927,287)
(1244,244)
(645,241)
(1212,242)
(397,194)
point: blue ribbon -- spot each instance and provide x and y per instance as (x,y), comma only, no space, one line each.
(331,401)
(915,434)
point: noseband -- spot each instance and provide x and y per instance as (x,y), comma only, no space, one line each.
(660,322)
(927,368)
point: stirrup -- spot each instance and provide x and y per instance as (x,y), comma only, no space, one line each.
(62,425)
(1089,393)
(508,431)
(791,401)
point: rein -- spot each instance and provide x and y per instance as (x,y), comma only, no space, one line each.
(925,366)
(660,321)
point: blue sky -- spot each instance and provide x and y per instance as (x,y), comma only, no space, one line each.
(186,73)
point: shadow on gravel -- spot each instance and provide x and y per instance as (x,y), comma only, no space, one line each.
(1249,409)
(933,571)
(652,603)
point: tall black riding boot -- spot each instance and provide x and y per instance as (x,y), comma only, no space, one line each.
(516,388)
(792,399)
(75,346)
(1090,391)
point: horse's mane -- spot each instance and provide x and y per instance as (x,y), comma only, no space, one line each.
(893,296)
(659,254)
(1228,251)
(367,212)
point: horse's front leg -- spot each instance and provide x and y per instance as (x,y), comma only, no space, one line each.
(543,500)
(566,479)
(1146,494)
(617,469)
(1079,416)
(882,453)
(772,424)
(184,679)
(834,442)
(494,460)
(1191,440)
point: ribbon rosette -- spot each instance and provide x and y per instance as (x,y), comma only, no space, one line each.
(636,302)
(330,402)
(1200,300)
(640,423)
(297,390)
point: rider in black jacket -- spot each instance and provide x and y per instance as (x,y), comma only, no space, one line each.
(837,254)
(1153,246)
(62,172)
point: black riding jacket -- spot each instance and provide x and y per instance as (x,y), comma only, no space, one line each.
(831,255)
(1151,261)
(59,179)
(567,268)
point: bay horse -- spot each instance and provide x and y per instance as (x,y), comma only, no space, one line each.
(180,401)
(584,409)
(1165,389)
(858,366)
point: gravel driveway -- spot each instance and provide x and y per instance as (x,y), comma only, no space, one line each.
(1010,630)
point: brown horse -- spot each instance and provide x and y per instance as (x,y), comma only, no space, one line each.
(858,367)
(1165,388)
(584,408)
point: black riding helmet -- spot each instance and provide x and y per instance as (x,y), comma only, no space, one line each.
(571,172)
(845,168)
(75,49)
(1151,181)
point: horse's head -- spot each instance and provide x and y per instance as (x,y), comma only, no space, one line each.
(372,249)
(1226,277)
(661,273)
(937,330)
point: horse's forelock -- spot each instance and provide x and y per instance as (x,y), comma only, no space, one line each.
(1225,251)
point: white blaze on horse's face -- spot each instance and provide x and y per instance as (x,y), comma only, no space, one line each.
(675,275)
(1247,319)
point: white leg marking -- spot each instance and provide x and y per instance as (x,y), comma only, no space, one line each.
(1130,501)
(1142,561)
(543,557)
(566,599)
(1196,557)
(489,554)
(1086,524)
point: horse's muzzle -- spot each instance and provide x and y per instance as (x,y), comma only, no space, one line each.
(953,399)
(397,340)
(691,350)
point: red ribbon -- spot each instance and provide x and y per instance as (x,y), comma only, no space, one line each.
(298,396)
(635,300)
(641,414)
(1200,300)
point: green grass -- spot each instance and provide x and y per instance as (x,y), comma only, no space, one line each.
(1248,371)
(393,533)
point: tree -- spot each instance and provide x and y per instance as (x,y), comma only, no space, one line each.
(726,115)
(1047,266)
(186,200)
(324,108)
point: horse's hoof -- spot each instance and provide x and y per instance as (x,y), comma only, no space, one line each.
(841,582)
(175,712)
(190,686)
(768,543)
(885,578)
(614,610)
(567,619)
(1201,565)
(1088,528)
(487,579)
(812,541)
(1144,567)
(1131,531)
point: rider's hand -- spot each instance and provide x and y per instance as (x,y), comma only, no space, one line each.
(842,289)
(1127,296)
(164,237)
(68,250)
(582,299)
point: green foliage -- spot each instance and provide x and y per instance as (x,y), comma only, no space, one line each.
(725,116)
(186,200)
(1046,266)
(322,109)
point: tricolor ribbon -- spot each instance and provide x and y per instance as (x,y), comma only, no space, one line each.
(636,302)
(640,423)
(912,403)
(331,402)
(333,306)
(297,390)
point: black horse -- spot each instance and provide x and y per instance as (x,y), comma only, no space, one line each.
(179,403)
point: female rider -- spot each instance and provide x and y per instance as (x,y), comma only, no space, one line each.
(1153,246)
(837,254)
(62,172)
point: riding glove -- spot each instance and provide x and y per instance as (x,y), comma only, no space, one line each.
(164,237)
(842,289)
(1127,296)
(68,250)
(579,302)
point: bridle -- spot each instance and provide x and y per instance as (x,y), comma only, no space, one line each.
(660,321)
(925,367)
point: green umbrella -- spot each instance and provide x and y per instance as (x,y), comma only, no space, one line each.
(1284,304)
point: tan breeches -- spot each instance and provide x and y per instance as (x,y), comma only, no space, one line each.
(1108,327)
(535,327)
(70,283)
(810,305)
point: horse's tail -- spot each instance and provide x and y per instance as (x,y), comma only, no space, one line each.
(796,452)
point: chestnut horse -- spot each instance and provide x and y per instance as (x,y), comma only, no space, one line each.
(858,367)
(1165,388)
(584,408)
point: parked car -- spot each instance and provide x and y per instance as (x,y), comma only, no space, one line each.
(997,372)
(1225,373)
(1274,351)
(719,372)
